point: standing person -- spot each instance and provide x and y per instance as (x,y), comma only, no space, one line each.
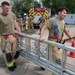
(9,43)
(56,31)
(20,21)
(30,23)
(26,21)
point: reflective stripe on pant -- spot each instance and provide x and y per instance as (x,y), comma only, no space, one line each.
(11,47)
(26,27)
(10,64)
(8,59)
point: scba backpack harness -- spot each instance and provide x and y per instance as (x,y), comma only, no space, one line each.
(55,36)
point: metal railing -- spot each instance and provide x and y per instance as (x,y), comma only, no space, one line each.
(41,54)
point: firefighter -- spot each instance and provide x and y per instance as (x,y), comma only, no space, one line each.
(30,23)
(56,27)
(20,21)
(26,25)
(26,21)
(9,43)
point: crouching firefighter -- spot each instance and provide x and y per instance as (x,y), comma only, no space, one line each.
(9,43)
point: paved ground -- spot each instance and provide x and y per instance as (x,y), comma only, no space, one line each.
(25,67)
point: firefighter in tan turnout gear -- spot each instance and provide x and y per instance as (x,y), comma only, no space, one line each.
(56,28)
(30,23)
(9,44)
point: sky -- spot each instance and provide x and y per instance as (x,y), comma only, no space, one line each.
(38,0)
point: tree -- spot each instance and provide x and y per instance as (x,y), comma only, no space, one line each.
(54,4)
(46,3)
(21,6)
(36,4)
(70,4)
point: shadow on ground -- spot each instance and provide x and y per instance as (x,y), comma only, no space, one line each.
(24,67)
(29,32)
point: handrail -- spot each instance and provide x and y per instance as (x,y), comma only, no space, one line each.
(50,42)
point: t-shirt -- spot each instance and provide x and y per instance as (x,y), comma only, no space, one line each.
(50,24)
(7,24)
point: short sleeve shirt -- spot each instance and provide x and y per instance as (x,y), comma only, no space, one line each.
(7,24)
(50,24)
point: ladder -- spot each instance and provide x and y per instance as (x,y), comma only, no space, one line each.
(40,53)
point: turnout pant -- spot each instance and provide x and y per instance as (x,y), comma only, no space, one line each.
(10,48)
(55,51)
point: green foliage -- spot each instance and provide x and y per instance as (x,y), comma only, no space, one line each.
(22,6)
(36,4)
(54,4)
(46,3)
(70,4)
